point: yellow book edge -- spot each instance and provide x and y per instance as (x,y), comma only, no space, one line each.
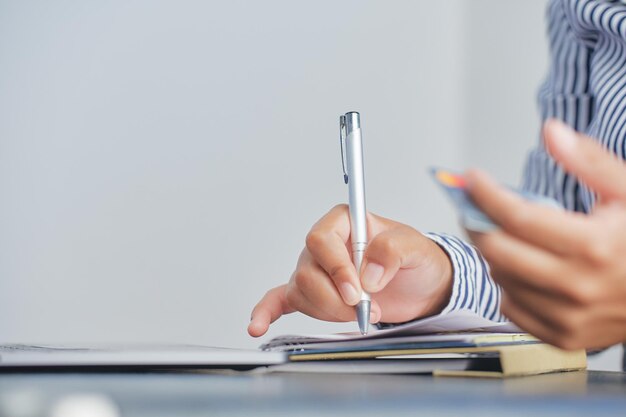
(514,360)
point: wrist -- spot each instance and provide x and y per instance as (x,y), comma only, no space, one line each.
(441,296)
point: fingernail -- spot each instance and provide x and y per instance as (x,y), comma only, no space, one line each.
(372,275)
(349,293)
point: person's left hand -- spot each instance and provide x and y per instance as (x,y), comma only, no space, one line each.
(563,274)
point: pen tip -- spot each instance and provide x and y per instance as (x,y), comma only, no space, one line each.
(363,316)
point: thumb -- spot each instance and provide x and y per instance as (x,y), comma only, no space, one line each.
(580,155)
(387,253)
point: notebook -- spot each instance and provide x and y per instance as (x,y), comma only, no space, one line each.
(489,349)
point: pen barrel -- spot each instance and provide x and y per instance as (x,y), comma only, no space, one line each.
(352,121)
(358,250)
(356,185)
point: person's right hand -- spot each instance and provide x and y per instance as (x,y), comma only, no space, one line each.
(407,275)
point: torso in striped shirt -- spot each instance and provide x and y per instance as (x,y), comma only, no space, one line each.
(585,87)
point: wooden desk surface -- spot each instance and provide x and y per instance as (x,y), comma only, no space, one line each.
(195,394)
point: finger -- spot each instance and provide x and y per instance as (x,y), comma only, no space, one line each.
(300,302)
(525,320)
(327,244)
(553,322)
(585,158)
(520,262)
(556,230)
(390,251)
(545,306)
(319,289)
(375,312)
(271,307)
(320,305)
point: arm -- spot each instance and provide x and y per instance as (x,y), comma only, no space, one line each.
(409,275)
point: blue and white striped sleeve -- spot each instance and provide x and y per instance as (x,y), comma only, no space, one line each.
(472,286)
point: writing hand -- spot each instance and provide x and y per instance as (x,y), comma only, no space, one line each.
(407,275)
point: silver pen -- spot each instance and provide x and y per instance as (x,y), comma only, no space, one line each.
(353,175)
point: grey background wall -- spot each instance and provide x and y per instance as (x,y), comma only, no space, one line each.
(161,161)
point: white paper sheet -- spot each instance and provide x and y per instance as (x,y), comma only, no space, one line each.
(454,322)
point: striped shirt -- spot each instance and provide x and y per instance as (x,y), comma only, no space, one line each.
(585,88)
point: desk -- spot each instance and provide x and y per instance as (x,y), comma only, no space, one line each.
(195,394)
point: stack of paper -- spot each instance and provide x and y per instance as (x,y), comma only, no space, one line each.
(460,341)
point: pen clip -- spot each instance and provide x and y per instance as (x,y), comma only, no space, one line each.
(342,143)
